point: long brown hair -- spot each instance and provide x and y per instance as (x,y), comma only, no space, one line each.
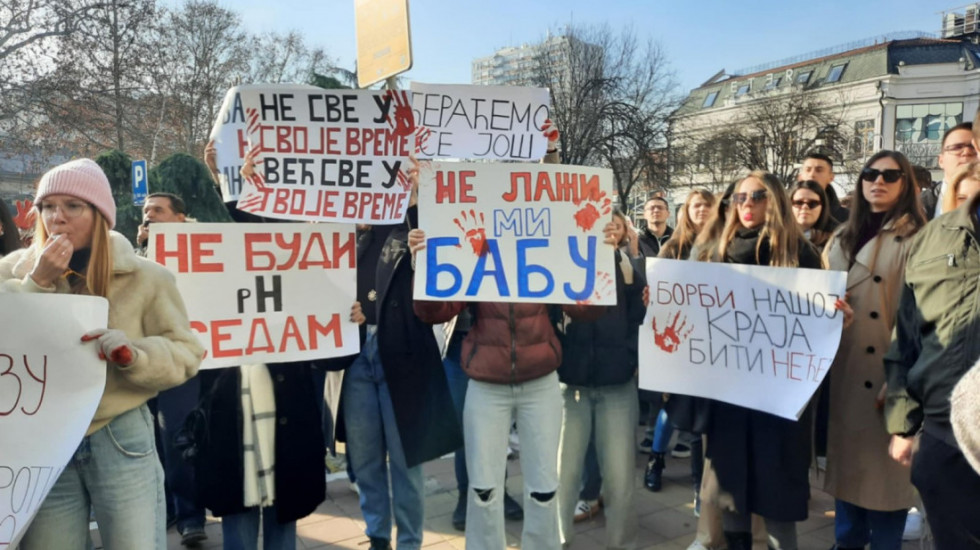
(907,214)
(779,227)
(99,269)
(683,238)
(708,237)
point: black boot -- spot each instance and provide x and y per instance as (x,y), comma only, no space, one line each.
(459,514)
(738,541)
(378,543)
(653,479)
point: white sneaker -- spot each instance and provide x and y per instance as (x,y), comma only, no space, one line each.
(697,545)
(586,509)
(913,525)
(353,487)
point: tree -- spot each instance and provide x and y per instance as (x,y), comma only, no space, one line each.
(771,133)
(118,169)
(204,52)
(279,58)
(189,179)
(610,97)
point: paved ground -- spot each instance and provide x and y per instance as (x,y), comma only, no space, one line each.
(666,519)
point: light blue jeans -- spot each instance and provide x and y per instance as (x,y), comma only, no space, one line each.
(372,435)
(116,472)
(610,413)
(487,418)
(241,531)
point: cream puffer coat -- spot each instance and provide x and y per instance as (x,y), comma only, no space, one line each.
(143,303)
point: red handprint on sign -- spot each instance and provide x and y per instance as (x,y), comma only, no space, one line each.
(604,286)
(400,116)
(473,230)
(591,210)
(422,135)
(672,336)
(26,214)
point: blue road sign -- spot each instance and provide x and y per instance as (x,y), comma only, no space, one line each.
(139,182)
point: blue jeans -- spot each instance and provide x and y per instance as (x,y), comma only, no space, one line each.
(662,433)
(173,406)
(372,434)
(241,531)
(457,380)
(486,426)
(116,472)
(855,527)
(608,413)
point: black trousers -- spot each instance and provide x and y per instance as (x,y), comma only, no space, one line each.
(950,491)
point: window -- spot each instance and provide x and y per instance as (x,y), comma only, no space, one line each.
(919,130)
(772,84)
(803,77)
(710,99)
(836,72)
(742,89)
(864,137)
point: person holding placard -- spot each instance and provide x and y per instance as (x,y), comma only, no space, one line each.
(148,347)
(761,461)
(873,494)
(598,375)
(510,354)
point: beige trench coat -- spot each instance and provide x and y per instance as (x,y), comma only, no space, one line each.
(859,469)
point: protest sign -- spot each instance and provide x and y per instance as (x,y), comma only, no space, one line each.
(50,385)
(480,122)
(328,155)
(228,134)
(515,233)
(759,337)
(263,292)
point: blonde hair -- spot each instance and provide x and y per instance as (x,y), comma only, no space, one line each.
(683,239)
(967,171)
(98,272)
(779,227)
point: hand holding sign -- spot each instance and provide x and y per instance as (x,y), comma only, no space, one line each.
(114,345)
(550,131)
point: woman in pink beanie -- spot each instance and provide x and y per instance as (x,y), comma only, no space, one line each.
(148,347)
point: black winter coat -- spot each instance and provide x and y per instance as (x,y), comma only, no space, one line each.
(300,483)
(410,356)
(761,459)
(604,352)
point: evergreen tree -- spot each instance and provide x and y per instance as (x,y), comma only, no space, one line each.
(118,168)
(189,179)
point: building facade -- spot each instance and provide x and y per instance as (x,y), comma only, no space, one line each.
(896,92)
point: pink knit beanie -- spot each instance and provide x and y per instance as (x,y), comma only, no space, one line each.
(81,178)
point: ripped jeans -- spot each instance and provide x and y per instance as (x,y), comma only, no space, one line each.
(537,406)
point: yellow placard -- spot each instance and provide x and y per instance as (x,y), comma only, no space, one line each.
(384,42)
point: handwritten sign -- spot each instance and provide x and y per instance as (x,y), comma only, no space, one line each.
(230,140)
(328,155)
(50,386)
(480,122)
(759,337)
(264,292)
(515,233)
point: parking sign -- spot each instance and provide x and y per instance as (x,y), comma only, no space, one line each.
(139,182)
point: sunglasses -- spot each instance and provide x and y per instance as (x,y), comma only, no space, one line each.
(739,198)
(800,203)
(890,176)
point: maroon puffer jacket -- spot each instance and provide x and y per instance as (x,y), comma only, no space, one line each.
(509,343)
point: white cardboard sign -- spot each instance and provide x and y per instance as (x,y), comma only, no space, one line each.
(272,292)
(515,233)
(480,122)
(50,386)
(756,336)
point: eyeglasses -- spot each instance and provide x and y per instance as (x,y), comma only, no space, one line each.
(800,203)
(890,176)
(957,147)
(739,198)
(71,209)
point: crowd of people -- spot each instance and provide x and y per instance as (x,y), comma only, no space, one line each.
(885,432)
